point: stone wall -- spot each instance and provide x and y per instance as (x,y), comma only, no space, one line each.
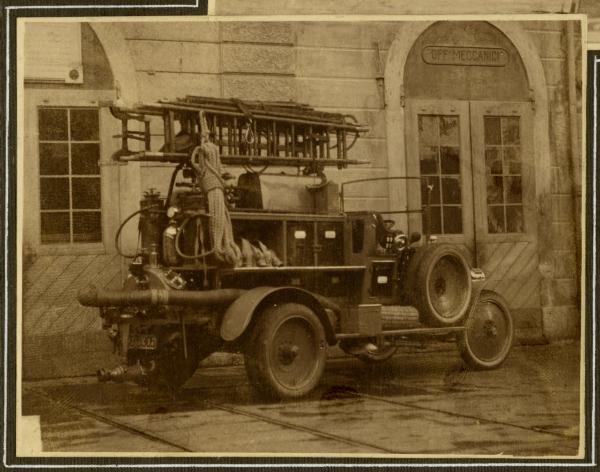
(560,291)
(265,61)
(333,67)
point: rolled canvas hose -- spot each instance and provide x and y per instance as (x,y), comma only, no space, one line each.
(205,158)
(93,296)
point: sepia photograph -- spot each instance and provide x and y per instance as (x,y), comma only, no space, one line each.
(329,237)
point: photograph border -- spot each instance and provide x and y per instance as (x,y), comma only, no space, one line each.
(10,460)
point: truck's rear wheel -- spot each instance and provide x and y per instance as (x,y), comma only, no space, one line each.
(486,342)
(286,353)
(440,285)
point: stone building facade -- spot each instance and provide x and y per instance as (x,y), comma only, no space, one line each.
(410,81)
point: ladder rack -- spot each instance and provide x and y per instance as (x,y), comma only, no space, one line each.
(246,132)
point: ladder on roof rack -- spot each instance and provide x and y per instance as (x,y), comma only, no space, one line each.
(246,132)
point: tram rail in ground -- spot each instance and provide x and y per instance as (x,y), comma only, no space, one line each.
(387,409)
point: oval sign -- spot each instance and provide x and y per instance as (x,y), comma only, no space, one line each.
(465,56)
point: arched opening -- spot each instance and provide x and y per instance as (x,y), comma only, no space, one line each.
(465,60)
(467,111)
(467,99)
(68,141)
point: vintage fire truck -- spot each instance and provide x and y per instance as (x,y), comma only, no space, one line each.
(220,268)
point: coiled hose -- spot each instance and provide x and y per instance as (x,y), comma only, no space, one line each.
(122,225)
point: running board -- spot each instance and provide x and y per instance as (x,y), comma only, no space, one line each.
(404,332)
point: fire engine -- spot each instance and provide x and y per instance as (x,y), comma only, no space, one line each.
(277,270)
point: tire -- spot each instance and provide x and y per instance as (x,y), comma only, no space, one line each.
(486,342)
(440,285)
(287,351)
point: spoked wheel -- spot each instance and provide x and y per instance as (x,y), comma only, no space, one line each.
(441,285)
(287,351)
(486,342)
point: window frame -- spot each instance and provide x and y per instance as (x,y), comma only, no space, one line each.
(29,168)
(460,109)
(70,175)
(437,178)
(504,175)
(479,110)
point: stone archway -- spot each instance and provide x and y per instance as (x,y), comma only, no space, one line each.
(394,83)
(396,122)
(117,53)
(123,70)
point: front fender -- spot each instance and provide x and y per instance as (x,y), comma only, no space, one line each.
(478,281)
(238,316)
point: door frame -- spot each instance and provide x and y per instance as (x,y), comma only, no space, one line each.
(396,118)
(30,177)
(473,171)
(478,109)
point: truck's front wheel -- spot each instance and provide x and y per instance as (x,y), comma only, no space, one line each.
(287,350)
(489,335)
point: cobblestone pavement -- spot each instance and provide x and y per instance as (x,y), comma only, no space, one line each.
(423,401)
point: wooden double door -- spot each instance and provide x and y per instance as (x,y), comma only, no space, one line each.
(477,157)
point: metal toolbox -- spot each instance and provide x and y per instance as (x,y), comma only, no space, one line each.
(363,319)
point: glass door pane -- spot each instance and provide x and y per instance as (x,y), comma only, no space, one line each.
(439,162)
(503,171)
(503,174)
(438,151)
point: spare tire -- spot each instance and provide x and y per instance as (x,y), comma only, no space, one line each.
(440,285)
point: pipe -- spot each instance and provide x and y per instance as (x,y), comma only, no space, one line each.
(405,332)
(575,161)
(93,296)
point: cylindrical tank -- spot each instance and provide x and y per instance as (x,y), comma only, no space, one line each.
(152,221)
(169,252)
(190,202)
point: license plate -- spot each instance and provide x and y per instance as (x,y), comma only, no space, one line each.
(142,341)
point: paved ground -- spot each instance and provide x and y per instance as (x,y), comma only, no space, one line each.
(420,402)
